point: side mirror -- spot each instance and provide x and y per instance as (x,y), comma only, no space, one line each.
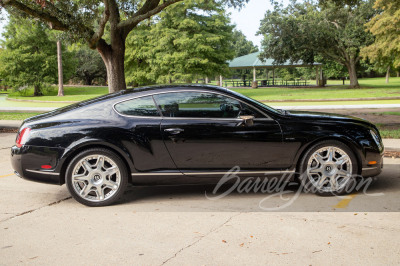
(248,120)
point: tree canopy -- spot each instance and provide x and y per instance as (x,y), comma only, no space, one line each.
(385,26)
(241,46)
(301,31)
(90,19)
(90,66)
(29,57)
(190,40)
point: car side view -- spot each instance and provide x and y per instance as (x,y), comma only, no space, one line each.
(189,134)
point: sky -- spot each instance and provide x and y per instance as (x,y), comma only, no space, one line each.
(247,19)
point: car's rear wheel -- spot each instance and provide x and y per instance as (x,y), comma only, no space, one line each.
(329,168)
(96,177)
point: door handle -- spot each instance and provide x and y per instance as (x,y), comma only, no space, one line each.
(174,131)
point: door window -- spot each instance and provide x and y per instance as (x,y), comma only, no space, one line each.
(248,110)
(197,105)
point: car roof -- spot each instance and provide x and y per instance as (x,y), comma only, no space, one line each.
(163,88)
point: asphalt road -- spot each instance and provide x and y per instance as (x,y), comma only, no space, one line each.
(41,224)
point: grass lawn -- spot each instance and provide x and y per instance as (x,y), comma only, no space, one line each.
(389,133)
(388,113)
(70,94)
(16,116)
(4,103)
(332,103)
(371,87)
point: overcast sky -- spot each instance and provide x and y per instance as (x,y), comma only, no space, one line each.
(247,19)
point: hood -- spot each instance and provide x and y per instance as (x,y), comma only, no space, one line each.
(305,115)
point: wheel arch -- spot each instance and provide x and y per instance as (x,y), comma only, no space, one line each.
(73,152)
(353,147)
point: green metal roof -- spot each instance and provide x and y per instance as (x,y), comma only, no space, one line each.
(252,60)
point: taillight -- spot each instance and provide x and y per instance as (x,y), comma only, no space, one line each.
(22,137)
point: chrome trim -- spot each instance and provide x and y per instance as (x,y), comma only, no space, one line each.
(185,90)
(241,172)
(42,172)
(369,168)
(218,173)
(169,173)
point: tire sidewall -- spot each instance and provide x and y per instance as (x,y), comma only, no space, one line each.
(97,151)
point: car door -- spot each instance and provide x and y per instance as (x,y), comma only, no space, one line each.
(143,138)
(203,132)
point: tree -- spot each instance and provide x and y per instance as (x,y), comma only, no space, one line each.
(190,40)
(89,19)
(301,31)
(29,56)
(241,45)
(90,65)
(60,69)
(385,51)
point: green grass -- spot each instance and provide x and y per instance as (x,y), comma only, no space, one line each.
(5,103)
(16,116)
(387,113)
(70,94)
(372,87)
(390,133)
(333,103)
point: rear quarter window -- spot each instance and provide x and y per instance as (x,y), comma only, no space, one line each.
(143,106)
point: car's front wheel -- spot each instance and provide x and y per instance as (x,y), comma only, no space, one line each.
(329,168)
(96,177)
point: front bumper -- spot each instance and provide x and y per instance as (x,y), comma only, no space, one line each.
(373,170)
(27,162)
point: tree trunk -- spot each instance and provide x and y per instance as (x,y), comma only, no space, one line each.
(36,90)
(387,74)
(88,80)
(60,70)
(398,73)
(351,67)
(114,60)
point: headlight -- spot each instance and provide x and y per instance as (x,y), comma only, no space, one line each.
(376,137)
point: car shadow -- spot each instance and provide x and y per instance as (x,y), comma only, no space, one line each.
(182,197)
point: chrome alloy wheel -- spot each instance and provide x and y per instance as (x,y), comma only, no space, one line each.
(96,178)
(329,169)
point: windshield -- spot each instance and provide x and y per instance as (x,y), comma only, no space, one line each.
(256,103)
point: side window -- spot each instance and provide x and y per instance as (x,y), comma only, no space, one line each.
(197,104)
(248,110)
(143,106)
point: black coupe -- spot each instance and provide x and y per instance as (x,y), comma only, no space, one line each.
(189,134)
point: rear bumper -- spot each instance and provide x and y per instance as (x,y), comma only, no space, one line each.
(27,162)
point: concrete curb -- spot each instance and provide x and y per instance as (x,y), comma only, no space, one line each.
(10,124)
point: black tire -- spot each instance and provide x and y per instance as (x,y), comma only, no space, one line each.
(321,190)
(119,179)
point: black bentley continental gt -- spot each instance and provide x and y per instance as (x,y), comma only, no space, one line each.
(189,134)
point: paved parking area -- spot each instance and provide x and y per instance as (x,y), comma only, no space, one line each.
(41,224)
